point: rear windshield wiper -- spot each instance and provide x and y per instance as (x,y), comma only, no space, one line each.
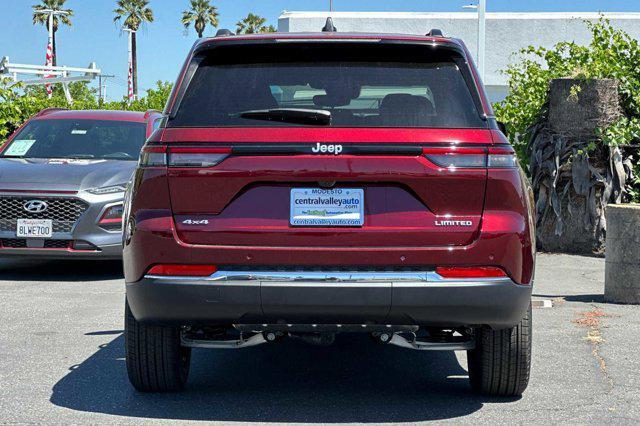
(289,115)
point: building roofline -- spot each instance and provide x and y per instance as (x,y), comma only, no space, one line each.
(463,15)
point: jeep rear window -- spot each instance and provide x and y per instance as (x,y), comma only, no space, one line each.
(361,86)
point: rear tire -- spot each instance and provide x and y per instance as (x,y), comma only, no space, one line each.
(501,361)
(156,362)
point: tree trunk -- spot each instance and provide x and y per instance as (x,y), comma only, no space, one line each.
(134,65)
(573,184)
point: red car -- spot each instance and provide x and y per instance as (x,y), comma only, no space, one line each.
(303,185)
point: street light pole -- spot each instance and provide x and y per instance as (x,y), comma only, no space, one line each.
(51,59)
(102,89)
(482,10)
(52,13)
(481,7)
(131,92)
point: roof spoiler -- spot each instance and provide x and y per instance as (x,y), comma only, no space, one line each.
(329,27)
(435,32)
(223,32)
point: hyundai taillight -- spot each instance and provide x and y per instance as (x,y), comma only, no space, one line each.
(466,272)
(180,270)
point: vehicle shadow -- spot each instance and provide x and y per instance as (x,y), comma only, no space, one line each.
(25,269)
(354,380)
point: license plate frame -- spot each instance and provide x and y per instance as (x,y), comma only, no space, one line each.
(318,207)
(34,228)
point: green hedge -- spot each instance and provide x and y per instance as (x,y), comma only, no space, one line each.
(18,103)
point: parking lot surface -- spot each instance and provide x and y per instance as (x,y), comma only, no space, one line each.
(62,361)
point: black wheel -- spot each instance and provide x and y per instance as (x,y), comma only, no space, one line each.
(155,360)
(501,361)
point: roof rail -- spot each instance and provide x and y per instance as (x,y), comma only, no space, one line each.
(48,111)
(148,113)
(435,32)
(223,32)
(329,27)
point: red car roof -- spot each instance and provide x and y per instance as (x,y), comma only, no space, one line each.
(61,114)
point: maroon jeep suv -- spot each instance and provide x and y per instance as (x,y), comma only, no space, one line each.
(304,185)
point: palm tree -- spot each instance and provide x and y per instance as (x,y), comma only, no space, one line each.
(200,14)
(254,24)
(133,13)
(40,17)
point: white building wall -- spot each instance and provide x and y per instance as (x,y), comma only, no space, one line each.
(507,33)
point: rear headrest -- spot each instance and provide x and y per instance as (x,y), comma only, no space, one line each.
(404,101)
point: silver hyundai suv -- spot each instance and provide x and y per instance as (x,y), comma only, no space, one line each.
(62,180)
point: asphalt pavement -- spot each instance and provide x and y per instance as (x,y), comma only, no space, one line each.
(62,362)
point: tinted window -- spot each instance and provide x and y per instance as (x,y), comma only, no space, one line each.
(361,88)
(78,139)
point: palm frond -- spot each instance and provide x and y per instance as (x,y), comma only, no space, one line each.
(132,13)
(42,18)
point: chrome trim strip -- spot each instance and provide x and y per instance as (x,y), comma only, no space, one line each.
(329,278)
(398,340)
(254,340)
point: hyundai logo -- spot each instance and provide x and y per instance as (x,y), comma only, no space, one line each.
(35,206)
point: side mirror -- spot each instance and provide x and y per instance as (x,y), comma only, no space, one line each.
(502,127)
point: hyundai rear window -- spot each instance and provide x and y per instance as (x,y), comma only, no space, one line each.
(365,86)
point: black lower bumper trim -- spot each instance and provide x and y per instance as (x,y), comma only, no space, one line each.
(495,303)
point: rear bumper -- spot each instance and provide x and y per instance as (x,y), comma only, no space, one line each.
(106,252)
(420,298)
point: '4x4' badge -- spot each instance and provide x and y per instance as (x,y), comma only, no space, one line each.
(195,222)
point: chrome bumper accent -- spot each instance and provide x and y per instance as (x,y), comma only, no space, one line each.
(398,340)
(290,278)
(254,340)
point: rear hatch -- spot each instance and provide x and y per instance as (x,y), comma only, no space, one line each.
(348,144)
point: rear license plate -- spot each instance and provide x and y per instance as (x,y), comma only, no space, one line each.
(326,207)
(34,228)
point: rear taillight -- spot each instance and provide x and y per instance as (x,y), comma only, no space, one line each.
(465,272)
(197,157)
(471,158)
(182,270)
(153,156)
(501,158)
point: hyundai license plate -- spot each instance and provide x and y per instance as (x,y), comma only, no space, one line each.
(326,207)
(34,228)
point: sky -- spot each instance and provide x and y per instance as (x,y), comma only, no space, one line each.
(163,44)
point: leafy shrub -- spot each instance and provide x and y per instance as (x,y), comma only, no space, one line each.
(612,54)
(18,103)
